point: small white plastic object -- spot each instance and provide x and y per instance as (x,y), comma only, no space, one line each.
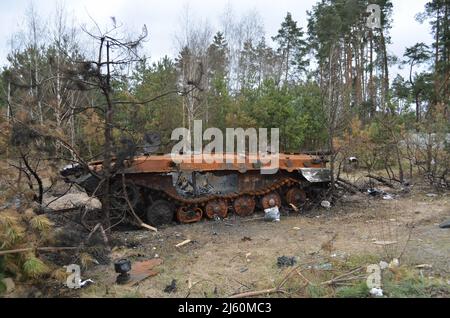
(383,265)
(377,292)
(272,214)
(325,204)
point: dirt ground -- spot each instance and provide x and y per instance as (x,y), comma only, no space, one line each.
(240,254)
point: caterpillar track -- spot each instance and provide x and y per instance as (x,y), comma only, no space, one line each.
(161,190)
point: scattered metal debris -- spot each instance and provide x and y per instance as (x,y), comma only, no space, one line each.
(285,261)
(374,192)
(86,282)
(122,267)
(142,270)
(379,193)
(172,287)
(445,225)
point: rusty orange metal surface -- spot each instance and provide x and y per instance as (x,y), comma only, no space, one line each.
(296,197)
(270,200)
(197,186)
(142,270)
(216,207)
(165,163)
(244,205)
(189,215)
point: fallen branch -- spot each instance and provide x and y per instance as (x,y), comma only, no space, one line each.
(299,273)
(48,210)
(40,249)
(253,219)
(384,243)
(343,277)
(348,185)
(102,231)
(183,243)
(270,290)
(258,293)
(148,227)
(57,198)
(190,285)
(138,219)
(381,180)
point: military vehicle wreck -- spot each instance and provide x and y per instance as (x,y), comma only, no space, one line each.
(161,190)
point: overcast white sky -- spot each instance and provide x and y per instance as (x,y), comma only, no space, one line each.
(162,18)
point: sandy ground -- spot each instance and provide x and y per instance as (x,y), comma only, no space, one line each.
(236,255)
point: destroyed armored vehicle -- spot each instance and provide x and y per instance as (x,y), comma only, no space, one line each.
(161,190)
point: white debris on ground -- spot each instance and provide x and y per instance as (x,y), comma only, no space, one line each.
(72,200)
(394,263)
(377,292)
(325,204)
(383,265)
(272,214)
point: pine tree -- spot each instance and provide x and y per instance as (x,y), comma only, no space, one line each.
(414,56)
(292,47)
(437,12)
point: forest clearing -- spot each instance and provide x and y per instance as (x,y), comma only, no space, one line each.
(307,158)
(235,255)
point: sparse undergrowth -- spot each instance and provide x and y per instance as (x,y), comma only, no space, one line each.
(400,282)
(23,230)
(297,236)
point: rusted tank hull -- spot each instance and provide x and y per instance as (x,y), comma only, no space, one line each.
(161,189)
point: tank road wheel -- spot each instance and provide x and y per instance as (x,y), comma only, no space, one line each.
(270,200)
(296,197)
(160,212)
(189,215)
(216,207)
(119,196)
(244,206)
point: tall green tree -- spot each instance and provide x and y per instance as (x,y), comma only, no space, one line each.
(162,115)
(437,13)
(292,48)
(218,57)
(415,56)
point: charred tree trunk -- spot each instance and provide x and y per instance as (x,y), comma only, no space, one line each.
(106,89)
(371,83)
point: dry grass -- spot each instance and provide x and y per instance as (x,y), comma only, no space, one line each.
(219,263)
